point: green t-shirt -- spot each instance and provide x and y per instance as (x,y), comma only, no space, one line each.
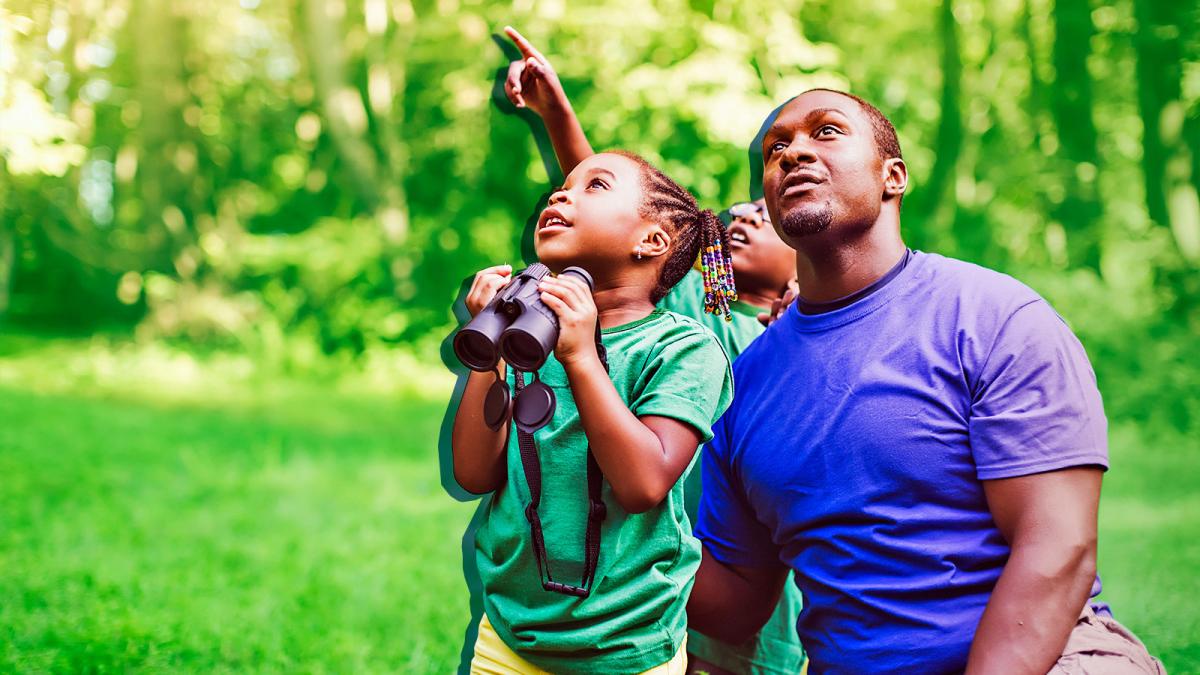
(666,365)
(687,298)
(776,648)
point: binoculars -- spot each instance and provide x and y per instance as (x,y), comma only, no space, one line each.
(516,325)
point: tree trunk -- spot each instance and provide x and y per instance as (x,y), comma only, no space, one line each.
(341,104)
(1071,102)
(937,203)
(1035,104)
(7,258)
(1158,71)
(158,92)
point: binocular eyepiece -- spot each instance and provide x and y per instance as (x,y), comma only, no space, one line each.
(516,325)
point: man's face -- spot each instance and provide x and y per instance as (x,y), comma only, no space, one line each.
(761,260)
(821,169)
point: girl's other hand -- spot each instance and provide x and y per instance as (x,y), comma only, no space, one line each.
(485,286)
(532,82)
(779,305)
(571,299)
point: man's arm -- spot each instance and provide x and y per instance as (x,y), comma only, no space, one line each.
(732,602)
(1049,521)
(532,83)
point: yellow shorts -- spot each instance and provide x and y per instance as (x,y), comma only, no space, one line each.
(493,657)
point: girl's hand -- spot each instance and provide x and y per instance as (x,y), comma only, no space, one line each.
(571,299)
(485,286)
(779,305)
(532,82)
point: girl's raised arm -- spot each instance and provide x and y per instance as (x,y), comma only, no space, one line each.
(532,83)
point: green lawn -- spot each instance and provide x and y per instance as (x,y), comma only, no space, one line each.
(301,528)
(305,533)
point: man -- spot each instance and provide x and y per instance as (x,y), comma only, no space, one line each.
(920,439)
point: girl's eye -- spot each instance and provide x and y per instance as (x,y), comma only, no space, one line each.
(597,182)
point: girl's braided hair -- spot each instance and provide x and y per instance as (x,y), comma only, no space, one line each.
(695,234)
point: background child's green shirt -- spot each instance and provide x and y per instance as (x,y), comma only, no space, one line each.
(687,298)
(776,648)
(665,365)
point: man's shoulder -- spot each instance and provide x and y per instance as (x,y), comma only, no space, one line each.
(974,289)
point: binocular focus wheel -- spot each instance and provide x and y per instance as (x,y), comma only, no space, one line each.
(495,406)
(534,407)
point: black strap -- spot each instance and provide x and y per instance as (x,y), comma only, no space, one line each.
(597,511)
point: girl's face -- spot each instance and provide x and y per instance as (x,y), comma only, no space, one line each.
(593,219)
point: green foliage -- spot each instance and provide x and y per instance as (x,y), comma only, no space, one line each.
(332,171)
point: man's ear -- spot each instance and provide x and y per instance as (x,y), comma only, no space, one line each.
(895,178)
(656,242)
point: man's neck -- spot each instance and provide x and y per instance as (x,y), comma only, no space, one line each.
(828,269)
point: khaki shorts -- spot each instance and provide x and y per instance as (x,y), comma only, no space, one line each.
(1099,645)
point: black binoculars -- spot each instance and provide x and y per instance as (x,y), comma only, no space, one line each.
(516,325)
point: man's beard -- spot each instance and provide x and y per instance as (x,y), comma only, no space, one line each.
(806,221)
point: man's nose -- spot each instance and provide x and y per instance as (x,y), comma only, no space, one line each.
(799,151)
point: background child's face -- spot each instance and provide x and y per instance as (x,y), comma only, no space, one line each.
(593,220)
(761,260)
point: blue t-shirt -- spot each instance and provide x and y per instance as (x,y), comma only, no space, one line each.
(855,446)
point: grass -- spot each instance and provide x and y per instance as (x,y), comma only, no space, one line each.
(306,531)
(1150,540)
(231,524)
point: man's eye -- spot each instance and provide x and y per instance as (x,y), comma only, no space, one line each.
(775,147)
(828,128)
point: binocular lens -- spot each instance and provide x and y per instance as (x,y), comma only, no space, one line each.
(475,350)
(523,351)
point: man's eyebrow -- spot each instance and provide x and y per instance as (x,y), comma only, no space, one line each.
(779,128)
(819,112)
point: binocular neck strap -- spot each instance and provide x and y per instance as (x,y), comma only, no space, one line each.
(597,511)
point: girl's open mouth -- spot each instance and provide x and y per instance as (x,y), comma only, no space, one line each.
(551,219)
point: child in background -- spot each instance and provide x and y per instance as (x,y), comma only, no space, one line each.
(637,233)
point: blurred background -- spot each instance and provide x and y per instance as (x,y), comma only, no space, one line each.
(231,232)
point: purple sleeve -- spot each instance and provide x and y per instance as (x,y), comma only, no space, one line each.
(725,521)
(1036,407)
